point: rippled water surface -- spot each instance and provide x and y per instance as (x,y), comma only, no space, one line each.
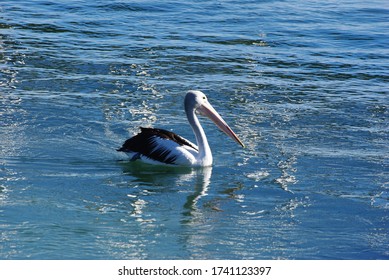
(303,84)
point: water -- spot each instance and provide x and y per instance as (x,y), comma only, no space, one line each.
(304,85)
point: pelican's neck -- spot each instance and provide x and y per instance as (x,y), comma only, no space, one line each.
(204,157)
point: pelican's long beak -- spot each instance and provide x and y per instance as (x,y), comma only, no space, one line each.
(206,109)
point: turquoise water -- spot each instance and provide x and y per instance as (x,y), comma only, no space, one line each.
(304,85)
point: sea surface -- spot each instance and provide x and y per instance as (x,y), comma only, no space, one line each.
(304,84)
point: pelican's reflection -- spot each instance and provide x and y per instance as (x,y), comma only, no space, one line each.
(201,182)
(168,177)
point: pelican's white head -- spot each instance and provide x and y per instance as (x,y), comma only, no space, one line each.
(194,99)
(197,101)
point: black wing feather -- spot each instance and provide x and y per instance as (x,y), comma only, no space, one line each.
(142,142)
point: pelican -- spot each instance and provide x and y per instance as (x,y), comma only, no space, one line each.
(159,146)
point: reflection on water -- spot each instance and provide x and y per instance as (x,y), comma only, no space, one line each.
(156,191)
(197,179)
(201,180)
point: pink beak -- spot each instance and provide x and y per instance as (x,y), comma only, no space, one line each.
(206,109)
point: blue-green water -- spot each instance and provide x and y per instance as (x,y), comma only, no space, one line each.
(303,84)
